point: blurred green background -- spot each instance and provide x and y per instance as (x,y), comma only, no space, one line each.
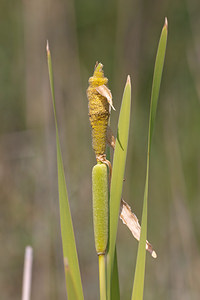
(123,35)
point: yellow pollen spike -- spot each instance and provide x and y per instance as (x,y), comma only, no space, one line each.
(99,113)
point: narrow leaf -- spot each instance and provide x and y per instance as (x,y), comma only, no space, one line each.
(71,265)
(118,175)
(138,286)
(115,289)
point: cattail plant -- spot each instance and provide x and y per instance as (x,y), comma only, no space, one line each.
(99,103)
(106,220)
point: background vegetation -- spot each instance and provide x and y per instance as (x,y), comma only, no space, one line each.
(123,35)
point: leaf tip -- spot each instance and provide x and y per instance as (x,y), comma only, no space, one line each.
(47,48)
(166,23)
(153,254)
(128,81)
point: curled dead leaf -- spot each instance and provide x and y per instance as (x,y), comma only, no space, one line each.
(131,221)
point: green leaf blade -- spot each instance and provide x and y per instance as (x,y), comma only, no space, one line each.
(71,265)
(115,288)
(138,286)
(158,69)
(118,175)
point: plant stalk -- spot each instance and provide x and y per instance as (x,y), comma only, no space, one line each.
(102,277)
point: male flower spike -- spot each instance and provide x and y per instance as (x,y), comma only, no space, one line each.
(99,104)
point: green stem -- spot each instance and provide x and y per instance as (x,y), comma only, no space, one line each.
(102,277)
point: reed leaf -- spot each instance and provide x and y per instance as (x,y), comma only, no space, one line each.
(117,177)
(138,286)
(115,289)
(70,258)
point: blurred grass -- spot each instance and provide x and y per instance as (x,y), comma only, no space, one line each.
(123,38)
